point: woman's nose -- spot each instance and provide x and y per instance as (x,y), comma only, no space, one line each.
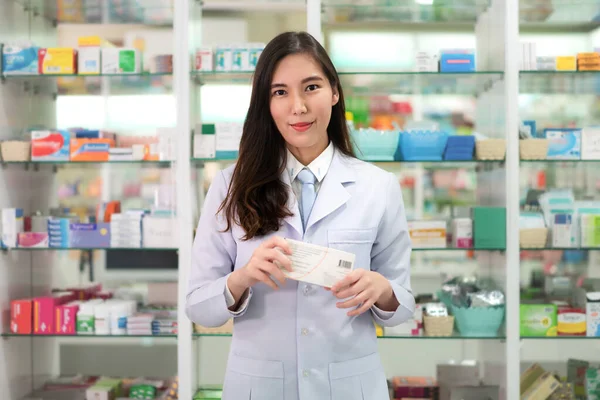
(299,105)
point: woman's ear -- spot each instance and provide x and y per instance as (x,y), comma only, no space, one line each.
(335,98)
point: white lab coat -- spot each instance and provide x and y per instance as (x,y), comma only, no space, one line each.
(294,343)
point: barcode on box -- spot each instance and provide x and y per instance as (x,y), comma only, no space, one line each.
(345,264)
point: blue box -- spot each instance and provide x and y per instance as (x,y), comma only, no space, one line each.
(453,62)
(563,144)
(20,60)
(89,235)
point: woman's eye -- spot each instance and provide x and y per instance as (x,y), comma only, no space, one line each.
(279,92)
(310,88)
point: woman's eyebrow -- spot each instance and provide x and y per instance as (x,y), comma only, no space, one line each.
(305,80)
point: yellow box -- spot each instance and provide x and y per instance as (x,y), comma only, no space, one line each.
(58,60)
(93,41)
(567,63)
(584,56)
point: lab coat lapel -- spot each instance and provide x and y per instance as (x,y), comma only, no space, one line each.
(294,220)
(332,194)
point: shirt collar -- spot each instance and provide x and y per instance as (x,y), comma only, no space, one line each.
(318,167)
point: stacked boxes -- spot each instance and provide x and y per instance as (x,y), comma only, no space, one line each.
(126,230)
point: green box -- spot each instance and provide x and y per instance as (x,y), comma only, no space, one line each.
(538,320)
(489,228)
(208,394)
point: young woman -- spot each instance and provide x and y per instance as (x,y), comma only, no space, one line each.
(297,177)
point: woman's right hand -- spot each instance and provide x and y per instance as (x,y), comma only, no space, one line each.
(262,267)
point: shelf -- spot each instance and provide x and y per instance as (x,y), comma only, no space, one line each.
(560,338)
(455,336)
(148,12)
(558,161)
(88,248)
(223,78)
(88,337)
(562,249)
(369,11)
(454,249)
(425,83)
(559,82)
(425,163)
(38,164)
(557,15)
(262,6)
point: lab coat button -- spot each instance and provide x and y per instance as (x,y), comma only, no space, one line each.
(304,332)
(307,289)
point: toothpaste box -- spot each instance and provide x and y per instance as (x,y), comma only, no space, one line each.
(33,239)
(21,316)
(57,60)
(50,145)
(11,224)
(66,318)
(18,59)
(91,149)
(89,235)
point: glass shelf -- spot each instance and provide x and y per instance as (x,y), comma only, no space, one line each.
(454,249)
(455,336)
(571,15)
(11,335)
(425,83)
(148,163)
(559,82)
(382,11)
(218,77)
(426,163)
(148,12)
(562,248)
(560,337)
(89,248)
(558,161)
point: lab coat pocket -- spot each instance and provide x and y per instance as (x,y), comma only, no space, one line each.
(356,241)
(253,379)
(358,379)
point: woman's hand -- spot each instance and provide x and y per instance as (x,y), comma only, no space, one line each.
(364,288)
(262,267)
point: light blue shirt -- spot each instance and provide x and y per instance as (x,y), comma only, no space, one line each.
(294,343)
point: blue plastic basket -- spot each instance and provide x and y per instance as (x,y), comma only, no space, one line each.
(375,145)
(422,145)
(478,321)
(459,148)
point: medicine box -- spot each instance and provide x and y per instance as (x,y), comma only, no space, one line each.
(121,61)
(33,240)
(571,321)
(462,233)
(204,59)
(590,143)
(21,316)
(563,144)
(562,231)
(44,312)
(489,227)
(566,63)
(452,62)
(89,55)
(89,235)
(205,141)
(11,224)
(50,145)
(538,319)
(66,318)
(20,59)
(91,149)
(592,310)
(57,60)
(427,234)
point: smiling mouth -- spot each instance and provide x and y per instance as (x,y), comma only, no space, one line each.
(302,126)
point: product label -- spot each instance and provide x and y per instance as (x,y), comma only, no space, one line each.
(85,324)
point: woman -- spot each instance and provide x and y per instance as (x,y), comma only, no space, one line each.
(297,177)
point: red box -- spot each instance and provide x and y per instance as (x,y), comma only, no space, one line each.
(66,318)
(44,312)
(21,319)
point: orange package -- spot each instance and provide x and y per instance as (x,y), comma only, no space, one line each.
(91,149)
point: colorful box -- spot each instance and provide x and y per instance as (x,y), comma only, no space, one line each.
(457,62)
(66,318)
(567,63)
(20,59)
(21,316)
(592,309)
(44,312)
(563,144)
(89,59)
(427,234)
(571,321)
(57,60)
(33,240)
(121,61)
(50,145)
(11,224)
(91,149)
(89,235)
(538,320)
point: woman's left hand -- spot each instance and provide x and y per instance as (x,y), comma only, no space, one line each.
(362,288)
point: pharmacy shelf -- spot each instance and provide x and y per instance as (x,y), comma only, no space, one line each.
(561,248)
(559,82)
(558,161)
(455,336)
(455,249)
(424,83)
(86,337)
(55,76)
(55,163)
(560,337)
(560,15)
(89,248)
(262,6)
(442,164)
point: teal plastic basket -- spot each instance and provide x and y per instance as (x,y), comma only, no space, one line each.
(375,145)
(478,321)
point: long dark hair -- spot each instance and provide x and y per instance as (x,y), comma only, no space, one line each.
(257,198)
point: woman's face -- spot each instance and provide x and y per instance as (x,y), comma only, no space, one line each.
(301,102)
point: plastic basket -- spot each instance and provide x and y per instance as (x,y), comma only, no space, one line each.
(375,145)
(14,150)
(438,326)
(422,145)
(478,321)
(533,238)
(490,149)
(459,148)
(533,149)
(225,329)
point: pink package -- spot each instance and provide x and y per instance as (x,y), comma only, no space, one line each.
(44,312)
(85,292)
(33,239)
(66,318)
